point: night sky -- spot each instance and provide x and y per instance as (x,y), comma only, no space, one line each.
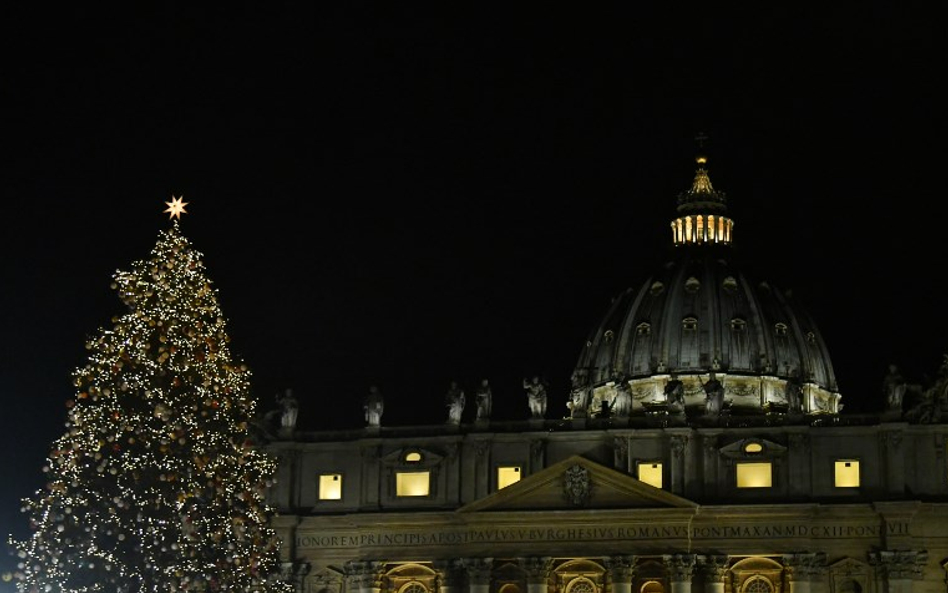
(405,196)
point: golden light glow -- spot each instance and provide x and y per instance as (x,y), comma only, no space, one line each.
(175,207)
(330,487)
(412,483)
(754,475)
(651,474)
(847,473)
(413,456)
(507,476)
(753,448)
(701,228)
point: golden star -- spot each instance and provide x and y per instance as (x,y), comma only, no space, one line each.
(176,207)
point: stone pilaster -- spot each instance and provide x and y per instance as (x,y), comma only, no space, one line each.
(798,462)
(364,576)
(370,477)
(899,568)
(709,462)
(805,572)
(620,455)
(450,577)
(713,570)
(537,570)
(478,573)
(325,581)
(621,571)
(681,569)
(891,439)
(680,459)
(537,455)
(294,573)
(482,469)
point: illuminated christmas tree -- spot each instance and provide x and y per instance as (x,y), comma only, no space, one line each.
(155,485)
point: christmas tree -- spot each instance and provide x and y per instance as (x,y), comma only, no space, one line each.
(156,485)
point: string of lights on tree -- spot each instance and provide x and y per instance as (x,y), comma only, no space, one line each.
(156,484)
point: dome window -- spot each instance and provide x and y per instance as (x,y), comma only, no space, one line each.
(657,288)
(692,285)
(780,329)
(729,284)
(609,335)
(689,324)
(811,337)
(643,329)
(738,324)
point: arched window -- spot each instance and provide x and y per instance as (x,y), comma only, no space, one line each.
(581,585)
(850,587)
(652,587)
(413,587)
(757,585)
(509,588)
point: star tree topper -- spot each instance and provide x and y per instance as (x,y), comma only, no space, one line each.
(176,207)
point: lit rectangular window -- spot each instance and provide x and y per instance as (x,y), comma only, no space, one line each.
(330,486)
(754,475)
(650,473)
(507,475)
(411,483)
(847,473)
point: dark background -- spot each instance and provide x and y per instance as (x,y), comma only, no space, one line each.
(403,195)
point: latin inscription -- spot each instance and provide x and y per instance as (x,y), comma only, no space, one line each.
(581,534)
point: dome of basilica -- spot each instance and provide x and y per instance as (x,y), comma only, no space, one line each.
(699,340)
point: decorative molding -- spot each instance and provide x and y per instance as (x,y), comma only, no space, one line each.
(621,568)
(713,568)
(478,569)
(899,564)
(678,444)
(620,447)
(537,568)
(891,437)
(577,487)
(804,566)
(680,567)
(449,571)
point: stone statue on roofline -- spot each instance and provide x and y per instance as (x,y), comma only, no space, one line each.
(454,399)
(289,410)
(536,397)
(373,406)
(482,399)
(578,396)
(930,405)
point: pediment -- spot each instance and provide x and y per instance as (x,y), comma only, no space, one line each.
(576,483)
(751,448)
(412,457)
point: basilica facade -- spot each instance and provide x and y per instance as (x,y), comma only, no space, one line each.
(705,451)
